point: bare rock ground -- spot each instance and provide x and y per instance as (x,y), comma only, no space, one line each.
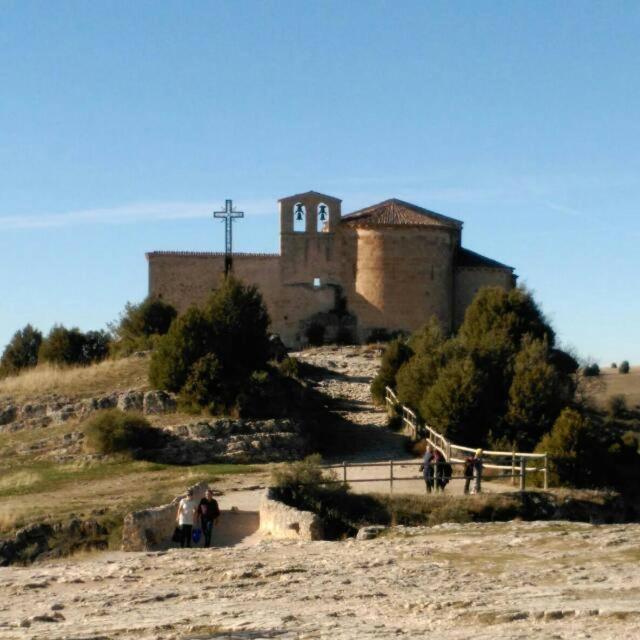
(485,581)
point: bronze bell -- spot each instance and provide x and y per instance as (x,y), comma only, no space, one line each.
(298,212)
(323,212)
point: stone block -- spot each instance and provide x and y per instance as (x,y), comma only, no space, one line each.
(281,521)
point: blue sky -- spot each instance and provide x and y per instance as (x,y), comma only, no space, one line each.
(123,125)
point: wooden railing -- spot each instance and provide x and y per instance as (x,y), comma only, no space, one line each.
(516,463)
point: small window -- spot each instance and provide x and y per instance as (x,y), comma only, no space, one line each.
(322,218)
(316,283)
(299,218)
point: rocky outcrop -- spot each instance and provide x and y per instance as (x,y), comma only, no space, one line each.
(8,414)
(225,440)
(281,521)
(50,540)
(58,409)
(151,529)
(156,402)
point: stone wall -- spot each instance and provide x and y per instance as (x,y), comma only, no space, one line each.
(184,278)
(280,521)
(153,528)
(469,280)
(403,277)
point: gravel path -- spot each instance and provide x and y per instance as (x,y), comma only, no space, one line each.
(344,375)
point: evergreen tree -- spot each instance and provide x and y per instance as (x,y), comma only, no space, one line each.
(21,352)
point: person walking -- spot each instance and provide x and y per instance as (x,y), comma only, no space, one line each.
(468,473)
(427,468)
(208,514)
(477,471)
(438,461)
(185,518)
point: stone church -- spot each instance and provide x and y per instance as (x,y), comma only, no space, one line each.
(390,266)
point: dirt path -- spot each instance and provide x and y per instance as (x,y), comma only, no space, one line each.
(344,375)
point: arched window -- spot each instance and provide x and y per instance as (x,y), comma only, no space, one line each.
(299,218)
(322,218)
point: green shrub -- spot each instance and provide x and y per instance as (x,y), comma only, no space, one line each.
(70,346)
(591,370)
(624,367)
(395,355)
(344,336)
(499,377)
(114,431)
(576,453)
(454,404)
(205,384)
(21,352)
(139,324)
(631,440)
(62,346)
(96,346)
(289,367)
(315,334)
(614,365)
(211,352)
(307,472)
(502,318)
(617,405)
(189,338)
(537,394)
(384,335)
(298,484)
(429,354)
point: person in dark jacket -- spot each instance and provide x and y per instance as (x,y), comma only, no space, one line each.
(468,473)
(478,465)
(427,468)
(438,461)
(208,514)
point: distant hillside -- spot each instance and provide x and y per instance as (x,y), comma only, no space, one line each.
(615,383)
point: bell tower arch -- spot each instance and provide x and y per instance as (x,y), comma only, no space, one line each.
(309,224)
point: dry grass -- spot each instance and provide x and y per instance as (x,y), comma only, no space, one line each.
(49,491)
(76,382)
(614,383)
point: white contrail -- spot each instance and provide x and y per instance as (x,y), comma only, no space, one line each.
(129,213)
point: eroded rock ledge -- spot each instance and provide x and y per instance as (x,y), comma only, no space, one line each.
(58,409)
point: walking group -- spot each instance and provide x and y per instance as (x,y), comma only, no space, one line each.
(196,519)
(437,471)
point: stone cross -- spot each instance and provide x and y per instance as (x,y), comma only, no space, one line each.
(228,214)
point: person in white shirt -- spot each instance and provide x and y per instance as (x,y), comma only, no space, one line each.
(185,518)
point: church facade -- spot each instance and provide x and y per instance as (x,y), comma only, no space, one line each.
(387,267)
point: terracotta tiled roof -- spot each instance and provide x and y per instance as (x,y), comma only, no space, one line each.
(397,212)
(466,258)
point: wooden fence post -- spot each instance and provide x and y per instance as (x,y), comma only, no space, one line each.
(344,472)
(523,472)
(391,477)
(546,471)
(513,468)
